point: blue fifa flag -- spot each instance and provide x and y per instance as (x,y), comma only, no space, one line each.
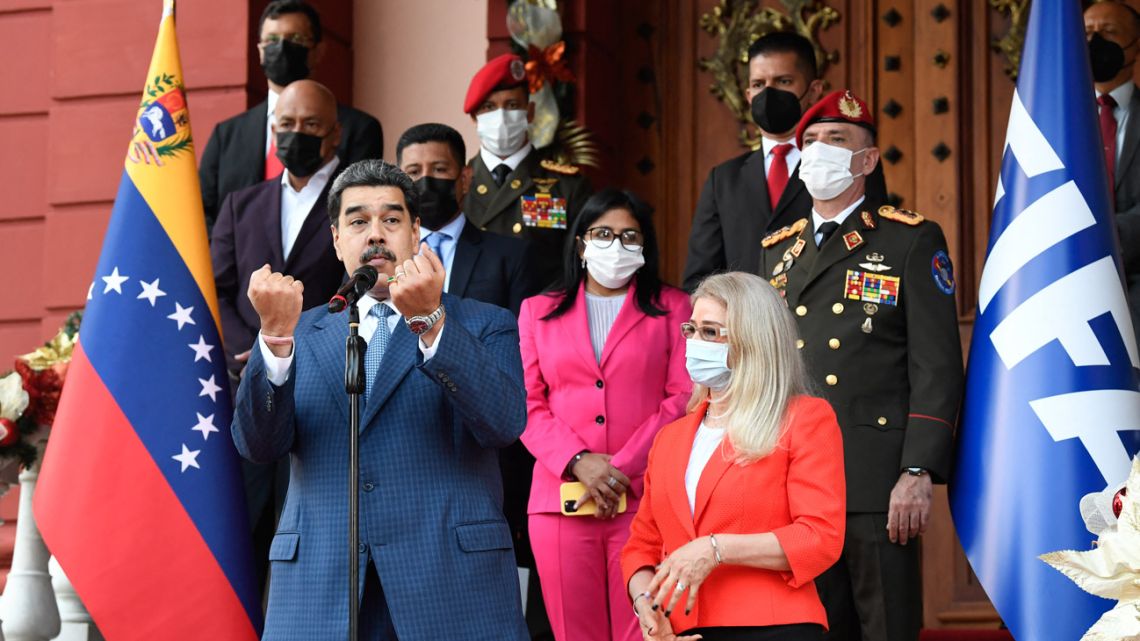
(1052,410)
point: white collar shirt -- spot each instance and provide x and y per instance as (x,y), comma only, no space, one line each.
(818,220)
(296,205)
(793,157)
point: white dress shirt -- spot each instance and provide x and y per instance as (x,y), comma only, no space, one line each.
(1123,97)
(277,367)
(793,157)
(448,246)
(271,106)
(296,205)
(513,161)
(818,220)
(705,443)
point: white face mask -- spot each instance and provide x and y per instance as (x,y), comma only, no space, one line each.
(613,266)
(826,170)
(708,363)
(502,131)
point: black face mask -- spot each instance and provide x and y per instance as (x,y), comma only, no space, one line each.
(300,153)
(775,110)
(437,201)
(285,62)
(1107,58)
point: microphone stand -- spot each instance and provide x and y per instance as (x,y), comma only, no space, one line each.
(354,385)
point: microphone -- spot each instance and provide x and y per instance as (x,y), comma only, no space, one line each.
(363,279)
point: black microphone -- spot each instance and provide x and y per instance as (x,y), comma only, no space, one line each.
(363,279)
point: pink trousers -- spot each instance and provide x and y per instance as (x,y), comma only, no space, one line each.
(579,563)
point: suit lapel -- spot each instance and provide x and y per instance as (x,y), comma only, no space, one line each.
(803,263)
(791,192)
(399,358)
(576,329)
(271,219)
(834,250)
(310,229)
(722,458)
(1131,137)
(467,252)
(754,190)
(628,317)
(327,345)
(676,465)
(249,152)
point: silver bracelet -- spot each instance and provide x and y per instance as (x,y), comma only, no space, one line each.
(646,595)
(716,549)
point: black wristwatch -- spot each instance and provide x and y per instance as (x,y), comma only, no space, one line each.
(916,471)
(568,473)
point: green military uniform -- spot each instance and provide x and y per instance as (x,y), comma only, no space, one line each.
(879,332)
(551,195)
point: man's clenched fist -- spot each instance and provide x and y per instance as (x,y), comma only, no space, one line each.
(277,300)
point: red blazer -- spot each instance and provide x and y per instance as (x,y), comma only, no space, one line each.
(797,492)
(617,407)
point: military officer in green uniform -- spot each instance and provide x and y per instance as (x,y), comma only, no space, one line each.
(515,190)
(872,290)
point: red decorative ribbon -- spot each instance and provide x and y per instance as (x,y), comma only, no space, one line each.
(546,65)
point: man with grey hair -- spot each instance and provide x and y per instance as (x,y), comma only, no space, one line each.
(443,391)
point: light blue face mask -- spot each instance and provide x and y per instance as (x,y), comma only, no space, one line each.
(708,363)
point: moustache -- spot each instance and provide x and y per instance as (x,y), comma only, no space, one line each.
(377,251)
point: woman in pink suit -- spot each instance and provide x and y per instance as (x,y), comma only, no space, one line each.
(605,369)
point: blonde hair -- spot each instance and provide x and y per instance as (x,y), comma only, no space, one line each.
(767,368)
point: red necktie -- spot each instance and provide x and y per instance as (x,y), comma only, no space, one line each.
(1108,133)
(273,166)
(778,173)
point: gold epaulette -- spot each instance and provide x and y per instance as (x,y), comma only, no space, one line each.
(784,233)
(559,168)
(899,215)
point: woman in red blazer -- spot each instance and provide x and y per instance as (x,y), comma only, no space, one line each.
(605,370)
(744,500)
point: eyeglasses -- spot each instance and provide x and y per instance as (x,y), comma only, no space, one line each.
(706,332)
(603,237)
(295,38)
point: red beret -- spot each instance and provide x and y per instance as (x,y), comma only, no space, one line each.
(837,106)
(505,71)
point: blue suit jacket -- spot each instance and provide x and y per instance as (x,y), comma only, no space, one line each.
(431,514)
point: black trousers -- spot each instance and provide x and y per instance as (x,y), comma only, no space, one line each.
(874,592)
(375,619)
(793,632)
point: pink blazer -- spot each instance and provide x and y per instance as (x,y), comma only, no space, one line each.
(616,407)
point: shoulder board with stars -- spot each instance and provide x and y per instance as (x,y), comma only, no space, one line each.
(559,168)
(905,216)
(784,233)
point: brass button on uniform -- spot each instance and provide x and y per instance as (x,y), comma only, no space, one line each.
(482,189)
(832,379)
(833,343)
(516,183)
(517,228)
(799,343)
(801,311)
(837,308)
(882,420)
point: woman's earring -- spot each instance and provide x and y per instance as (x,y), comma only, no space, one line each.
(583,263)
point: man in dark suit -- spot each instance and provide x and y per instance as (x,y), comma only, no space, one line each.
(487,267)
(1113,29)
(517,192)
(746,197)
(240,151)
(872,291)
(282,222)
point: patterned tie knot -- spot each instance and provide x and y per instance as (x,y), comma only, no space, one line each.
(380,310)
(1106,100)
(435,241)
(782,150)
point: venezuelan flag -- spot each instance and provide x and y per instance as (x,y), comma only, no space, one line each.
(140,494)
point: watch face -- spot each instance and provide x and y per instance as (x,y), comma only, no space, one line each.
(418,325)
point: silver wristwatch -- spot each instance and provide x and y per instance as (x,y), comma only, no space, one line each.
(420,325)
(916,471)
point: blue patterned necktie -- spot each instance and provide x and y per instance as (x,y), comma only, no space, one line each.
(435,241)
(376,345)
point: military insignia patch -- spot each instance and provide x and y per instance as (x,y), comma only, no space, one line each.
(543,211)
(849,107)
(872,288)
(779,282)
(905,216)
(943,271)
(868,220)
(559,168)
(851,240)
(798,247)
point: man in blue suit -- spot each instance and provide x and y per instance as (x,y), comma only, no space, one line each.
(435,552)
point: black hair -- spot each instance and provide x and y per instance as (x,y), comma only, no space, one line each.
(787,42)
(433,132)
(278,8)
(372,173)
(648,278)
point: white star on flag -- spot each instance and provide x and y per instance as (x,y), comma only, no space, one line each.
(182,315)
(201,350)
(209,388)
(150,291)
(114,281)
(188,458)
(205,426)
